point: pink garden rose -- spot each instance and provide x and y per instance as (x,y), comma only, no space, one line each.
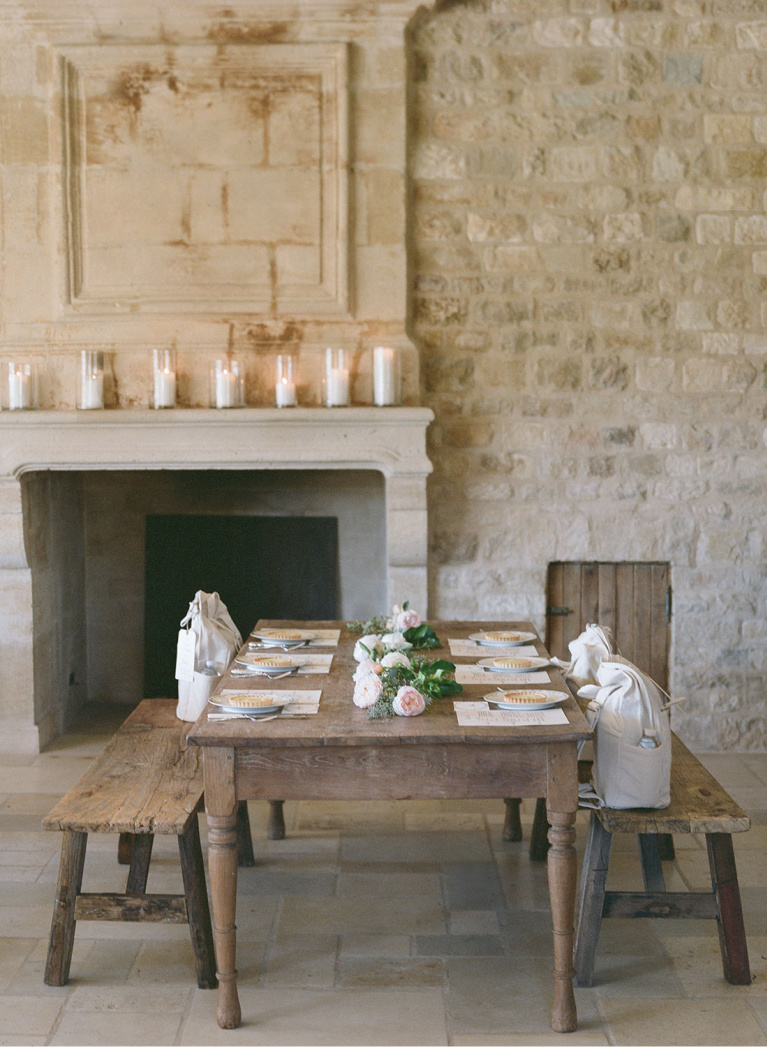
(405,620)
(408,702)
(367,666)
(367,690)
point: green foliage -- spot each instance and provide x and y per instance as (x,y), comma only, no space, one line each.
(376,624)
(431,679)
(422,637)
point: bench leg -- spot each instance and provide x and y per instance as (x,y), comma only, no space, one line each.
(141,855)
(591,901)
(62,937)
(649,855)
(732,932)
(197,910)
(539,837)
(245,857)
(666,847)
(125,848)
(512,825)
(276,829)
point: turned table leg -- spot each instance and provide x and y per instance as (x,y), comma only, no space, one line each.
(561,809)
(222,865)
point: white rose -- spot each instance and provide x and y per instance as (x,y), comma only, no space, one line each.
(395,642)
(407,620)
(395,658)
(367,690)
(366,666)
(369,646)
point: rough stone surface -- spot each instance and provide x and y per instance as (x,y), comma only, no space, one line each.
(584,279)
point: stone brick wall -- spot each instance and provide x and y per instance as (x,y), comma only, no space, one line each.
(589,248)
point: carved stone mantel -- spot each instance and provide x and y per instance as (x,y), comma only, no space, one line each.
(388,440)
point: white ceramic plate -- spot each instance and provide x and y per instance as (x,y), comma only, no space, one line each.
(276,705)
(271,664)
(284,637)
(503,638)
(527,664)
(512,699)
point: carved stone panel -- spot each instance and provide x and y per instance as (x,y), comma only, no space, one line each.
(212,178)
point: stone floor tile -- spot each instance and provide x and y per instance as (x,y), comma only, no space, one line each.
(107,963)
(361,916)
(445,822)
(260,881)
(301,960)
(472,885)
(392,884)
(730,770)
(388,973)
(751,799)
(469,921)
(698,965)
(374,945)
(632,974)
(577,1039)
(335,1018)
(638,936)
(757,764)
(364,816)
(157,962)
(458,945)
(402,847)
(29,1014)
(634,1020)
(155,999)
(96,1028)
(759,1007)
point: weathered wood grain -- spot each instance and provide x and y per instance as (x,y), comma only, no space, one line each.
(129,908)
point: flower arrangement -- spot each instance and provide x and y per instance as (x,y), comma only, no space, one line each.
(388,680)
(401,689)
(403,621)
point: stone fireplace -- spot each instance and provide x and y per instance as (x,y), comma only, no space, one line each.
(224,181)
(60,647)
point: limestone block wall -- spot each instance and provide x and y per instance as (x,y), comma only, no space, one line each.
(589,248)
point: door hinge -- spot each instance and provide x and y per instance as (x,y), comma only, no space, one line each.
(558,612)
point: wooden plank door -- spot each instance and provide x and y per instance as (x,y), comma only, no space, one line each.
(632,599)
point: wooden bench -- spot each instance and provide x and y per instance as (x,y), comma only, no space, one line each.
(699,804)
(146,781)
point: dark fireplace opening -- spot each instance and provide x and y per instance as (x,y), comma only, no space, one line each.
(261,567)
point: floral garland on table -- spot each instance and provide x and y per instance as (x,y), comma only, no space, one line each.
(387,681)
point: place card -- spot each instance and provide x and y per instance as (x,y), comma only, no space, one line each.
(479,714)
(476,674)
(472,649)
(302,703)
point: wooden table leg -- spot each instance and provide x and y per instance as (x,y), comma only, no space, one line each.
(221,810)
(561,809)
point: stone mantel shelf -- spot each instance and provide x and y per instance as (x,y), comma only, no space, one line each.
(390,439)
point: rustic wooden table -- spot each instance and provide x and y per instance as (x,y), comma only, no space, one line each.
(340,754)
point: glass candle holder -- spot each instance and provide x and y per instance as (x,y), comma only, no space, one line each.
(163,378)
(22,385)
(285,381)
(387,379)
(336,380)
(90,396)
(226,383)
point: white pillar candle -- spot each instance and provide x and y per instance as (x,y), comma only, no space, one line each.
(285,393)
(385,376)
(92,394)
(226,395)
(20,388)
(337,387)
(165,388)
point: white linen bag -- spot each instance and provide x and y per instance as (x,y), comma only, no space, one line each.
(587,652)
(207,642)
(626,707)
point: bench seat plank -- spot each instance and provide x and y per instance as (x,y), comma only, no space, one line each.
(145,781)
(699,804)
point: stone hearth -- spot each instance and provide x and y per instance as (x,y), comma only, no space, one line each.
(43,645)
